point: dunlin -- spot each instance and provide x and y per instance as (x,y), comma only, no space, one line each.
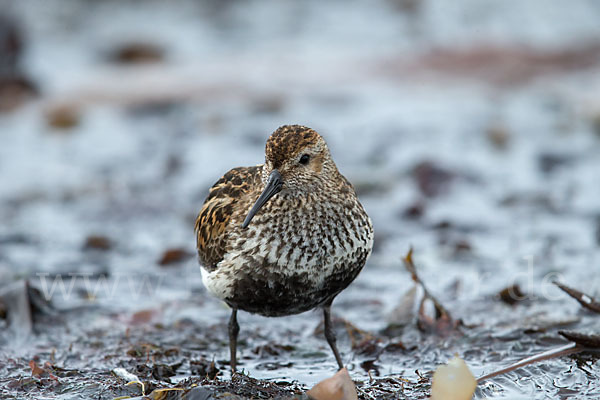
(285,236)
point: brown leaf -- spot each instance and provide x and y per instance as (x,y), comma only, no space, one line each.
(499,136)
(14,91)
(511,294)
(338,387)
(63,117)
(362,341)
(414,210)
(35,370)
(462,246)
(442,323)
(586,301)
(395,347)
(143,316)
(132,53)
(582,339)
(172,256)
(410,266)
(204,368)
(97,242)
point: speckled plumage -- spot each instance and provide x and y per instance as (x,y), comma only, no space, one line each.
(303,246)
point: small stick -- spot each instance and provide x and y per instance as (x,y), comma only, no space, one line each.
(586,301)
(565,350)
(410,266)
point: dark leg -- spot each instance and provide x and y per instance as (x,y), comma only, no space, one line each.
(234,329)
(330,334)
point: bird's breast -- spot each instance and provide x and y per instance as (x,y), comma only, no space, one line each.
(291,260)
(312,237)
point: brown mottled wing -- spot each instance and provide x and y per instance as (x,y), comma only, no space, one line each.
(218,208)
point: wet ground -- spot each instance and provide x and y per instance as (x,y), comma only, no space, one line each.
(471,132)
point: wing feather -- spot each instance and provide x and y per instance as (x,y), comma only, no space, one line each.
(224,199)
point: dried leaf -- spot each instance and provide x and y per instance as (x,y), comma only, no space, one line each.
(97,242)
(35,369)
(442,323)
(512,294)
(499,136)
(582,339)
(172,256)
(338,387)
(143,316)
(359,337)
(137,52)
(586,301)
(414,210)
(410,266)
(16,90)
(204,368)
(63,117)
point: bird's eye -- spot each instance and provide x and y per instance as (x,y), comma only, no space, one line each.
(304,159)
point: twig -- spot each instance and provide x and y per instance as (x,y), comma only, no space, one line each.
(570,348)
(442,323)
(590,341)
(586,301)
(410,266)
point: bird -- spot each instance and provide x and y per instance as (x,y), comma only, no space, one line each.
(283,237)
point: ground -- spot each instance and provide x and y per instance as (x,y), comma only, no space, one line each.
(471,132)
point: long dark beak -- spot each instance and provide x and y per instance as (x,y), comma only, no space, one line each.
(272,187)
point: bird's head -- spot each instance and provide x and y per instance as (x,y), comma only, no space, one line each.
(297,162)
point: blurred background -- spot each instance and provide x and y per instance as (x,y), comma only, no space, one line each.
(470,129)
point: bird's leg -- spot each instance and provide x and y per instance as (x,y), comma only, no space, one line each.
(234,329)
(330,334)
